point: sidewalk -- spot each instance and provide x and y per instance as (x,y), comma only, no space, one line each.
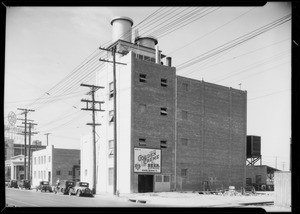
(190,199)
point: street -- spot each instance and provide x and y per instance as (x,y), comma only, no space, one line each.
(31,198)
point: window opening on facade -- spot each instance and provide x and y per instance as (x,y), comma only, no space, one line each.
(185,86)
(184,141)
(143,78)
(111,90)
(163,82)
(110,176)
(184,115)
(142,108)
(111,117)
(110,148)
(142,142)
(163,144)
(58,172)
(183,172)
(163,111)
(85,172)
(34,174)
(166,178)
(158,178)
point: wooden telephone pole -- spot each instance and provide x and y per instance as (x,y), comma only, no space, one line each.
(25,112)
(93,109)
(113,51)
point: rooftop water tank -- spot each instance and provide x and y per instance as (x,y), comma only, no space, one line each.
(121,28)
(147,41)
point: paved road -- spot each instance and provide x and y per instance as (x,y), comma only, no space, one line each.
(31,198)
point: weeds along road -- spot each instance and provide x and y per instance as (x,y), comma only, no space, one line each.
(31,198)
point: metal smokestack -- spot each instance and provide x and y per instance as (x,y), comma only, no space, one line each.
(169,61)
(157,55)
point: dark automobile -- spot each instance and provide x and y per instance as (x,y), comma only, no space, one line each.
(25,184)
(81,189)
(64,186)
(44,186)
(13,184)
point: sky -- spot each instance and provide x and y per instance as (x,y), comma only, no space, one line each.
(50,51)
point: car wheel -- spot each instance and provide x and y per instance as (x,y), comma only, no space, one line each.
(78,193)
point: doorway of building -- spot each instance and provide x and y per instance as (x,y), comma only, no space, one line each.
(145,183)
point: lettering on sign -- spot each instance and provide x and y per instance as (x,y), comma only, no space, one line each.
(147,160)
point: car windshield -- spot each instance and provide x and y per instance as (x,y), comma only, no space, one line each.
(83,184)
(45,182)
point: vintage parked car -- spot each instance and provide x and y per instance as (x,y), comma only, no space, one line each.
(44,186)
(25,184)
(64,186)
(13,184)
(81,189)
(7,181)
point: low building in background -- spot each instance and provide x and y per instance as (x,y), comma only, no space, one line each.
(52,163)
(261,177)
(14,168)
(14,149)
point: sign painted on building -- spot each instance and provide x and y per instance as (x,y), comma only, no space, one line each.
(147,160)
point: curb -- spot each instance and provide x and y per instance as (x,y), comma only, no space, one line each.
(137,201)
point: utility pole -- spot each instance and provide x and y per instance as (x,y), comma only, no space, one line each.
(29,147)
(25,112)
(93,89)
(47,137)
(114,51)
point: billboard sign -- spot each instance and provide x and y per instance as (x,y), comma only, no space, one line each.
(147,160)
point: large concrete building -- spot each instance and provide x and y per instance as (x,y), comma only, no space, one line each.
(52,163)
(173,132)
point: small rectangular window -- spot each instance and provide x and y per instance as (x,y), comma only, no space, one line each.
(184,141)
(34,174)
(142,142)
(45,159)
(184,115)
(111,117)
(39,174)
(163,82)
(111,144)
(58,172)
(185,86)
(111,90)
(158,178)
(163,111)
(146,58)
(143,78)
(183,172)
(142,108)
(85,172)
(110,176)
(111,153)
(166,178)
(70,173)
(163,144)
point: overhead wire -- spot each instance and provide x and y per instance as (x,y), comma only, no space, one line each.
(235,42)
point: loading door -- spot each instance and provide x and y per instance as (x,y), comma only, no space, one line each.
(145,183)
